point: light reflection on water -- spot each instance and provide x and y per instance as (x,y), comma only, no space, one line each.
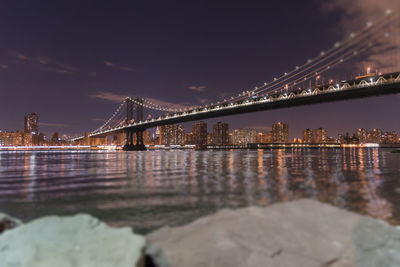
(150,189)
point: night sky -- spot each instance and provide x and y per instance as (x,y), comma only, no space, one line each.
(72,61)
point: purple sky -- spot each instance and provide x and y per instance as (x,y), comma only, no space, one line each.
(71,61)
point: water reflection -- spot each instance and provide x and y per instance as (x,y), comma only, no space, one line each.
(149,189)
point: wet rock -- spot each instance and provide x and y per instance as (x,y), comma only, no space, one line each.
(156,257)
(8,222)
(377,244)
(79,240)
(300,233)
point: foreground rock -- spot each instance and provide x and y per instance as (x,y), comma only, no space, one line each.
(300,233)
(80,240)
(8,222)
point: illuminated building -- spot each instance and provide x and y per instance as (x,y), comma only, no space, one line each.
(243,137)
(308,136)
(361,134)
(390,138)
(220,134)
(31,123)
(199,130)
(280,132)
(172,135)
(189,139)
(375,136)
(261,137)
(321,136)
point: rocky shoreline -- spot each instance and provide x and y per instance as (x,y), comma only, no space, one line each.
(298,233)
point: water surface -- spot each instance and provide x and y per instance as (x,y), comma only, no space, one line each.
(150,189)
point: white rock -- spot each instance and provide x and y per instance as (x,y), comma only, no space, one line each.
(300,233)
(74,241)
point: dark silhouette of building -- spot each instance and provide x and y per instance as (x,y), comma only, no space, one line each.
(308,136)
(220,135)
(280,132)
(199,130)
(31,123)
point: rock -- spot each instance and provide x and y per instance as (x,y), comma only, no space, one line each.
(8,222)
(156,257)
(79,240)
(300,233)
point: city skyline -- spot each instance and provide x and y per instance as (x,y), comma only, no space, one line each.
(73,89)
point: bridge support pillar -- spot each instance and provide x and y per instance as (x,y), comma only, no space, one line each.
(129,145)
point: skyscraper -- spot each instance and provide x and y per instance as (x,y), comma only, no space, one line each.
(199,130)
(280,132)
(31,123)
(242,137)
(172,135)
(308,136)
(220,135)
(321,135)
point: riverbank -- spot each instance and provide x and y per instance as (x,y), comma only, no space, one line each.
(298,233)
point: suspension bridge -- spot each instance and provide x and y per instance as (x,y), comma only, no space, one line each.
(288,90)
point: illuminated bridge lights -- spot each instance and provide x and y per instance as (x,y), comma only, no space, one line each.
(325,89)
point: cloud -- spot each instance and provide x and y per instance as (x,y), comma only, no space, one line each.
(109,64)
(44,64)
(119,67)
(3,66)
(53,124)
(117,98)
(109,96)
(21,56)
(203,100)
(197,88)
(356,15)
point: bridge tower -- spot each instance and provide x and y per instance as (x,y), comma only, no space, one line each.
(130,106)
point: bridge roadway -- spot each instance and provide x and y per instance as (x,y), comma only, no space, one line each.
(378,85)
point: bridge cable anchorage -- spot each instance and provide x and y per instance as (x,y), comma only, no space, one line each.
(338,47)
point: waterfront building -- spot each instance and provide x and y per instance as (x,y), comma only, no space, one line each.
(308,136)
(13,138)
(390,138)
(261,137)
(31,123)
(189,139)
(242,137)
(199,130)
(321,135)
(362,135)
(375,136)
(171,135)
(280,132)
(220,134)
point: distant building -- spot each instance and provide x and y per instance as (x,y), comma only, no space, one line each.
(172,135)
(220,134)
(199,130)
(390,138)
(261,137)
(375,136)
(308,136)
(31,123)
(242,137)
(280,132)
(189,139)
(362,135)
(321,136)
